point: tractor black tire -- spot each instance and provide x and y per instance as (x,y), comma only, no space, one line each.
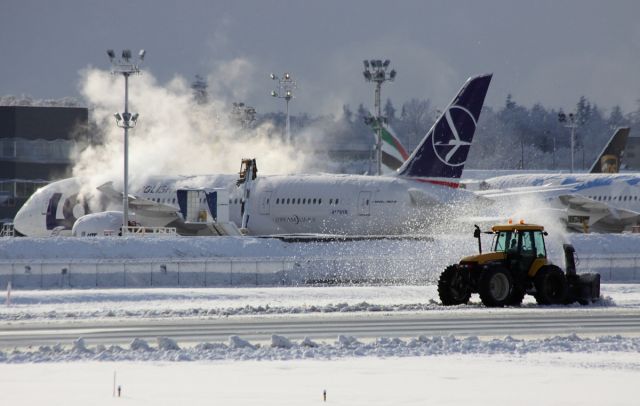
(453,286)
(495,287)
(551,286)
(517,296)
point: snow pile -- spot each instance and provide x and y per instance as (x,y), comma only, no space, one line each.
(139,344)
(280,342)
(282,348)
(236,342)
(167,344)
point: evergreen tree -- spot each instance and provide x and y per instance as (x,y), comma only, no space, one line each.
(389,111)
(347,114)
(616,118)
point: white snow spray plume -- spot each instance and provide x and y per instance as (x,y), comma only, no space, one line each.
(174,134)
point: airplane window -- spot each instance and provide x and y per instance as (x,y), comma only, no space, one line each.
(304,201)
(367,202)
(337,200)
(298,200)
(287,201)
(319,201)
(236,201)
(278,201)
(314,201)
(174,200)
(267,201)
(330,201)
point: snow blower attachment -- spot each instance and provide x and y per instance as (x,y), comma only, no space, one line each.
(516,266)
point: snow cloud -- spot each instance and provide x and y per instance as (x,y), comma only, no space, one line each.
(174,135)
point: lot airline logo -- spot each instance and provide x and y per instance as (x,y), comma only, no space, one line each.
(452,138)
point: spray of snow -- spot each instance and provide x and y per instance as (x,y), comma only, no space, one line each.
(174,134)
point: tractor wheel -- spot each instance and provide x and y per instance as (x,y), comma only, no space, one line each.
(453,286)
(517,295)
(551,286)
(495,287)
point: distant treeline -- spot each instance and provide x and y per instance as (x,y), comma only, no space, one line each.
(510,137)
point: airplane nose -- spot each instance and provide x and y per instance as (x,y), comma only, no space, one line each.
(20,221)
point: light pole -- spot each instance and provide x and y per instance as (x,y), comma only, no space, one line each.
(284,90)
(570,121)
(376,71)
(126,67)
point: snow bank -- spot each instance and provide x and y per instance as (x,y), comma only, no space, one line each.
(282,348)
(436,246)
(59,262)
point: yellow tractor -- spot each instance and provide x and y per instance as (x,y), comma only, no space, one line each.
(517,265)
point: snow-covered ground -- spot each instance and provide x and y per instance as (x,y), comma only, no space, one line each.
(213,302)
(567,370)
(424,370)
(595,378)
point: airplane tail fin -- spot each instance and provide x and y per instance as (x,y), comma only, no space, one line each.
(393,152)
(440,156)
(609,159)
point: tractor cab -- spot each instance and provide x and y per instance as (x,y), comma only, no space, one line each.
(523,246)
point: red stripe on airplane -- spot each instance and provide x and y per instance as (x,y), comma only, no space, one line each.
(453,185)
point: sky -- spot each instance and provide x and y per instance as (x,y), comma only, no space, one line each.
(551,52)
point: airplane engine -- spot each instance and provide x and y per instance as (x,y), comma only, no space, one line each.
(98,224)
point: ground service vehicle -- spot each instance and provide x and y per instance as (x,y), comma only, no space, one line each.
(517,265)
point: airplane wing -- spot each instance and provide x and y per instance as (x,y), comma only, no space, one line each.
(136,203)
(543,191)
(421,198)
(584,204)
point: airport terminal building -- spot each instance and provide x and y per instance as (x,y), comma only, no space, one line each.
(35,147)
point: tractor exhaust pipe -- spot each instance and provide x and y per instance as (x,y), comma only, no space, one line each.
(476,234)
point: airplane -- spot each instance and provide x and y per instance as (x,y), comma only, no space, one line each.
(601,200)
(607,162)
(422,190)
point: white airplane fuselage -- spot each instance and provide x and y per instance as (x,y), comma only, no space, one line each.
(317,204)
